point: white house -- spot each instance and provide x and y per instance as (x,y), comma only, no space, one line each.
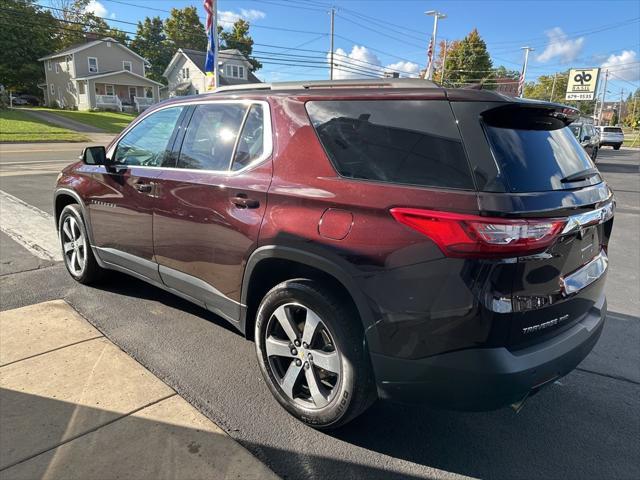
(186,76)
(101,73)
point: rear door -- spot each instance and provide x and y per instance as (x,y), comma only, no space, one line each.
(210,203)
(528,164)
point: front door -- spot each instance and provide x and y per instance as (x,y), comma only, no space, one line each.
(210,207)
(121,203)
(132,94)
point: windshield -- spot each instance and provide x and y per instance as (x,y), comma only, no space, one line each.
(575,128)
(537,160)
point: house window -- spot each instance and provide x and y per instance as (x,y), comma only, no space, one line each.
(57,67)
(126,66)
(93,64)
(109,90)
(234,71)
(148,92)
(48,64)
(185,73)
(52,89)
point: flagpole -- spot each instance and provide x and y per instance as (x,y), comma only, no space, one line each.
(436,16)
(523,76)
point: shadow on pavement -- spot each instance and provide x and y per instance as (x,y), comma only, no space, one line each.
(610,167)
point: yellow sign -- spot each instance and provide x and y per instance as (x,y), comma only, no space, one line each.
(582,83)
(210,81)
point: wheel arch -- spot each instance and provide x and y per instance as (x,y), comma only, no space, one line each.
(65,196)
(270,265)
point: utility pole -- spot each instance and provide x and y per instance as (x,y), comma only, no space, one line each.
(436,16)
(333,13)
(604,94)
(444,63)
(620,106)
(523,76)
(553,86)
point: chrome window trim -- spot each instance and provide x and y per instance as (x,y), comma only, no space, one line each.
(597,216)
(267,140)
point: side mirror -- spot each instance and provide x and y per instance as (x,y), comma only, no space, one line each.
(586,138)
(94,156)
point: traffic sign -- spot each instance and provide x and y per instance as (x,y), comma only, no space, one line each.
(582,84)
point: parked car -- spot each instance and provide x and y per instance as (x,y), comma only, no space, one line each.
(18,102)
(611,136)
(386,239)
(31,100)
(588,137)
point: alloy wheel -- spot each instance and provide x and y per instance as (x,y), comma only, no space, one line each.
(74,245)
(302,356)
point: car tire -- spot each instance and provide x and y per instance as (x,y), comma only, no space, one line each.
(76,250)
(595,155)
(337,385)
(617,147)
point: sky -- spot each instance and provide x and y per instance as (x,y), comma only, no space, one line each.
(292,36)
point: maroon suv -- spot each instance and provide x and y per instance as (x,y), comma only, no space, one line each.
(384,239)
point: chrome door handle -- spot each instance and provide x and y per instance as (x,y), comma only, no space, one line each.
(143,187)
(242,201)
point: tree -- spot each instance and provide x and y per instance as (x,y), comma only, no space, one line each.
(468,61)
(28,32)
(76,22)
(185,30)
(614,118)
(152,44)
(239,39)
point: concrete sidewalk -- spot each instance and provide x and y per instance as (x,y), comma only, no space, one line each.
(74,406)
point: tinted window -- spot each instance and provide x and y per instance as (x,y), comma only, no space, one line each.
(613,129)
(537,160)
(575,129)
(146,143)
(251,142)
(402,141)
(210,137)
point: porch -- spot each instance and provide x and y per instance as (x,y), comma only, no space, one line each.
(120,91)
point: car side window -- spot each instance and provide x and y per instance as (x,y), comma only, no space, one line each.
(251,143)
(211,136)
(147,143)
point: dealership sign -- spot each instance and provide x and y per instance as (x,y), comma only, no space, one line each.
(582,84)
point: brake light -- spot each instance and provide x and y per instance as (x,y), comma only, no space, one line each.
(461,235)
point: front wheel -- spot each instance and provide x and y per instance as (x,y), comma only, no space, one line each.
(76,250)
(312,354)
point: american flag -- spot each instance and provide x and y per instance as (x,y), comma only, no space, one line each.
(426,71)
(521,83)
(210,64)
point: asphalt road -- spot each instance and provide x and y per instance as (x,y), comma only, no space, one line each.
(584,426)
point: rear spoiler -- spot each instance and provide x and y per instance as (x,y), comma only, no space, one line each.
(527,115)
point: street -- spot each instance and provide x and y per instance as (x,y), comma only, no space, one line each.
(586,425)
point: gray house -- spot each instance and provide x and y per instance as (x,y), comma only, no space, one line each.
(186,75)
(101,74)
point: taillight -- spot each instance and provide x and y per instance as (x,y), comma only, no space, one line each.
(460,235)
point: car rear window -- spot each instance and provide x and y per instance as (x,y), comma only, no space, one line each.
(534,149)
(613,129)
(414,142)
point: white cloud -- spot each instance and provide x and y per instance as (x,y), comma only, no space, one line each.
(95,7)
(624,66)
(359,63)
(227,17)
(406,69)
(561,46)
(362,63)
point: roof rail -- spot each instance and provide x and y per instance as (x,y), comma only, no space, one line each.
(351,83)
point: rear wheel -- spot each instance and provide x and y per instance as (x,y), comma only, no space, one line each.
(310,347)
(76,250)
(617,147)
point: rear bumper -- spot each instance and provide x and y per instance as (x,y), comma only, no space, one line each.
(488,378)
(611,143)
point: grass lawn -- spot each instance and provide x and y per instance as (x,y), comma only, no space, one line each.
(110,122)
(16,126)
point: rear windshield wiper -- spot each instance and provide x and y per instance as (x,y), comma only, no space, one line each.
(581,175)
